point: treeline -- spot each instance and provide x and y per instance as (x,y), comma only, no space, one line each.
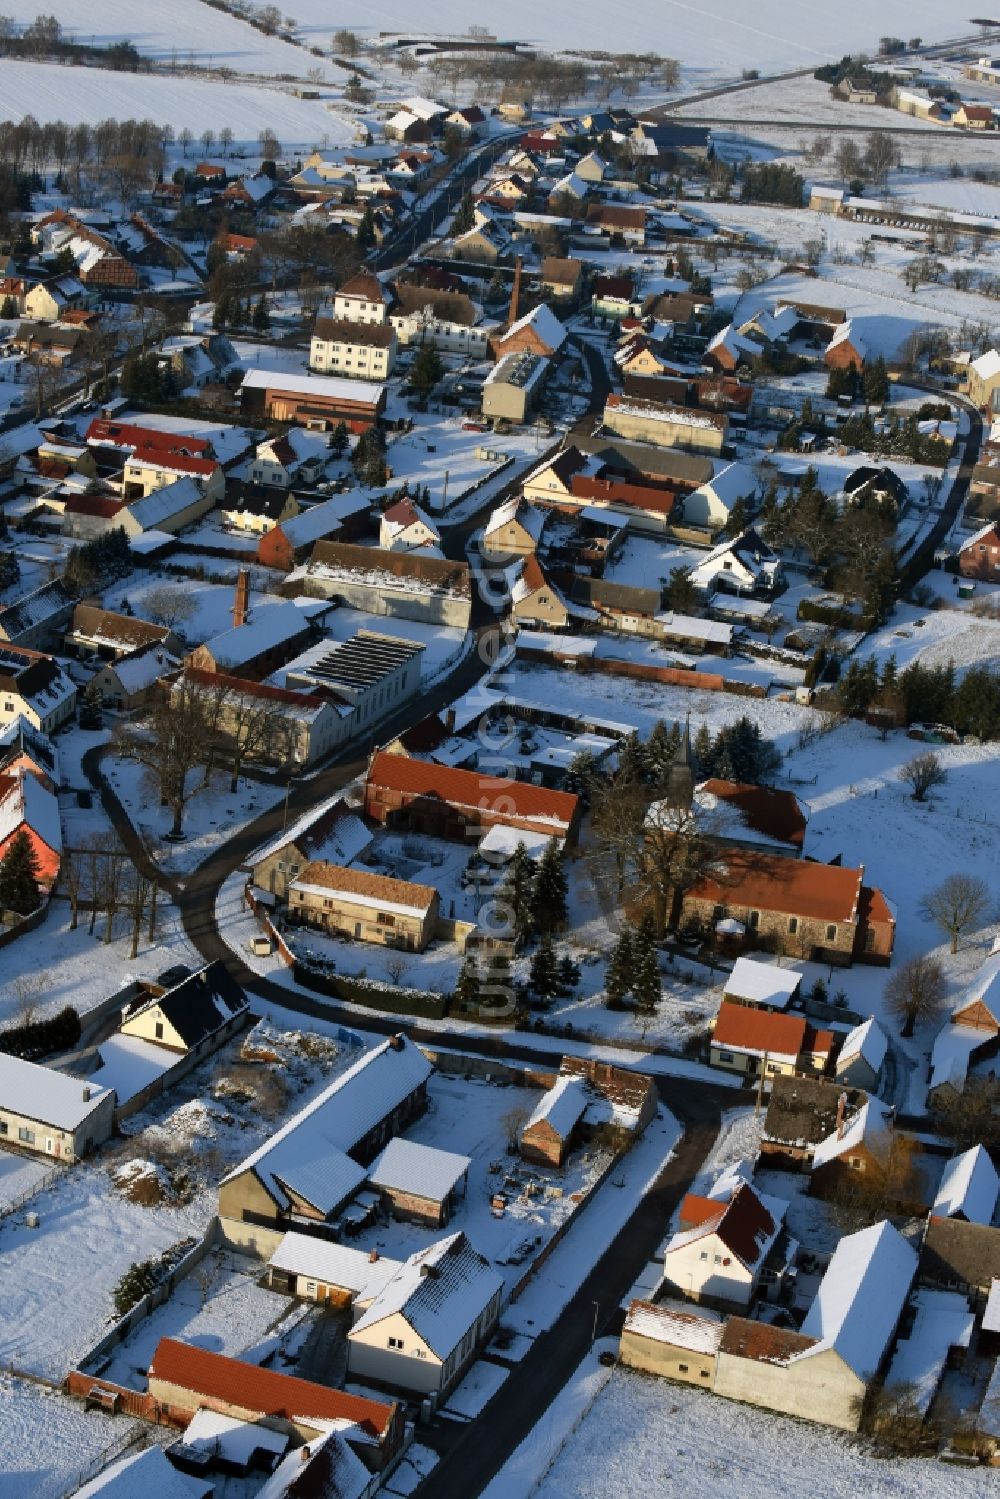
(772,182)
(34,1039)
(103,560)
(27,146)
(923,694)
(44,37)
(895,439)
(737,752)
(548,80)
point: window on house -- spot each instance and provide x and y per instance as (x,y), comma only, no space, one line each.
(25,1135)
(753,920)
(420,1352)
(395,1342)
(793,925)
(703,1373)
(682,1368)
(869,939)
(3,1126)
(384,919)
(725,1056)
(831,932)
(857,1161)
(703,1255)
(717,1259)
(158,1030)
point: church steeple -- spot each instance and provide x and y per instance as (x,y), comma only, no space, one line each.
(681,776)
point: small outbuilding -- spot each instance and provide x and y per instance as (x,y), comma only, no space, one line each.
(419,1181)
(678,1344)
(548,1134)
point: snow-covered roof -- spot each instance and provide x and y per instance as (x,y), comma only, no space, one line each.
(142,668)
(987,366)
(984,988)
(529,517)
(943,1321)
(969,1186)
(334,1264)
(692,1330)
(129,1063)
(951,1053)
(268,626)
(163,504)
(147,1472)
(332,1468)
(423,1170)
(233,1440)
(731,482)
(561,1106)
(30,803)
(320,520)
(691,627)
(50,1097)
(762,983)
(991,1314)
(871,1126)
(337,837)
(544,322)
(500,843)
(860,1298)
(866,1041)
(441,1291)
(362,392)
(309,1153)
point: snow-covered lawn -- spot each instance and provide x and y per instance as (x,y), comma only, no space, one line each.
(649,1436)
(440,454)
(219,1307)
(19,1174)
(53,966)
(935,637)
(211,817)
(48,1440)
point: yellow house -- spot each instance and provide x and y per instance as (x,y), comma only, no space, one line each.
(368,907)
(984,378)
(514,529)
(197,1015)
(536,601)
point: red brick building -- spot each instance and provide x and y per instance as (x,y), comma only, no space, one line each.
(446,802)
(979,557)
(315,401)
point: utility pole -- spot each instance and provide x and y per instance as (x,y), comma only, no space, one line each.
(760,1086)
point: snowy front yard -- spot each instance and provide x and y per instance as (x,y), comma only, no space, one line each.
(47,1440)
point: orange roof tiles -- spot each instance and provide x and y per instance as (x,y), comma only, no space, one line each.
(793,887)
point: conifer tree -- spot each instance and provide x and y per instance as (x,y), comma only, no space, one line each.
(466,996)
(618,979)
(545,969)
(549,892)
(647,987)
(19,876)
(517,892)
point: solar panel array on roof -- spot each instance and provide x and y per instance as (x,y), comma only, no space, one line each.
(363,660)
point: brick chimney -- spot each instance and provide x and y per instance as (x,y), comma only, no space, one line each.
(373,1256)
(515,294)
(241,601)
(841,1115)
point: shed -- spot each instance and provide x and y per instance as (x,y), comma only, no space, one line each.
(968,1188)
(677,1343)
(862,1056)
(549,1132)
(420,1181)
(762,986)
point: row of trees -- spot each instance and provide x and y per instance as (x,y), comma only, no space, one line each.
(101,561)
(772,182)
(737,752)
(44,37)
(923,694)
(535,895)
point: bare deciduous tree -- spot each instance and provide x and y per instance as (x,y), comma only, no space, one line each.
(169,605)
(922,774)
(513,1123)
(916,992)
(957,905)
(171,744)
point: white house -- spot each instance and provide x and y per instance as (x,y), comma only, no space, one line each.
(424,1329)
(745,564)
(362,351)
(405,527)
(823,1372)
(295,457)
(719,1249)
(362,299)
(712,503)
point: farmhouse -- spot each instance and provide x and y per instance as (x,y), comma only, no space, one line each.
(754,1042)
(291,540)
(314,1163)
(404,527)
(129,681)
(334,835)
(361,299)
(197,1015)
(979,556)
(295,455)
(52,1113)
(984,378)
(368,907)
(974,1028)
(808,910)
(743,565)
(420,1182)
(514,529)
(862,1142)
(444,801)
(39,618)
(960,1256)
(802,1112)
(318,402)
(426,1327)
(823,1372)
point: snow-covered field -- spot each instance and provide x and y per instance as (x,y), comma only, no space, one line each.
(720,40)
(646,1435)
(184,32)
(211,604)
(49,91)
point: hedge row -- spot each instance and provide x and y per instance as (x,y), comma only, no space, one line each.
(370,992)
(39,1038)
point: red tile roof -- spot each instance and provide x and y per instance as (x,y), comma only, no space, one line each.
(743,1224)
(745,1029)
(243,687)
(762,1341)
(249,1387)
(618,492)
(695,1210)
(469,788)
(93,504)
(189,455)
(764,809)
(793,887)
(614,286)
